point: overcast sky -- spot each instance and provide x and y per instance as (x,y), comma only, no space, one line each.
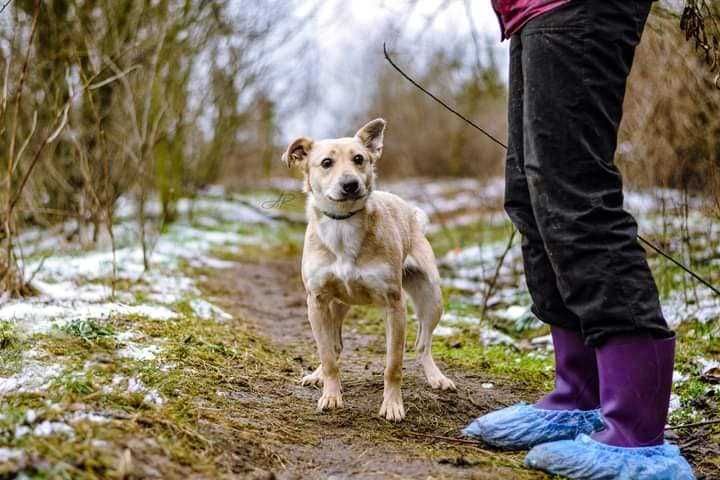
(349,34)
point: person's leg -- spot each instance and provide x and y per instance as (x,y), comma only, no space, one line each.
(575,64)
(576,61)
(548,304)
(571,408)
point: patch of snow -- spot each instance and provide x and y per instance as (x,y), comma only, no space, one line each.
(33,377)
(225,210)
(135,385)
(68,290)
(674,402)
(88,417)
(152,396)
(443,331)
(30,416)
(513,312)
(76,286)
(678,377)
(208,311)
(114,383)
(11,454)
(21,431)
(139,352)
(45,429)
(709,369)
(489,336)
(453,317)
(37,316)
(677,309)
(127,336)
(487,386)
(644,202)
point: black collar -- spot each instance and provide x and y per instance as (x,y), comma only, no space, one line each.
(340,217)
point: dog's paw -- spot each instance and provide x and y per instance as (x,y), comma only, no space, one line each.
(441,382)
(329,401)
(392,407)
(314,378)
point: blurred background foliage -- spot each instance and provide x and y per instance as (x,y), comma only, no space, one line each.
(158,98)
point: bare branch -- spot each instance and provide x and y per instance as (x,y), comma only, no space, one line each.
(5,5)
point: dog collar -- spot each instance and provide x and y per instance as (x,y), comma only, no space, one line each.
(340,217)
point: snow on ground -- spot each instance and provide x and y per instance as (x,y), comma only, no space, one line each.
(10,454)
(151,396)
(471,269)
(40,315)
(139,352)
(33,377)
(75,284)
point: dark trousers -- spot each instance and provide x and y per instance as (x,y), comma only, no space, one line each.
(584,266)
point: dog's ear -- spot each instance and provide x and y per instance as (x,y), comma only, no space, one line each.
(297,151)
(371,135)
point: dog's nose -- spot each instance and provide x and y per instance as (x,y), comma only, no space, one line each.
(351,186)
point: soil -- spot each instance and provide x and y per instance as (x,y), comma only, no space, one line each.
(267,297)
(354,442)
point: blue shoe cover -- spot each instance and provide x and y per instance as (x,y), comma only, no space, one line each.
(586,459)
(523,426)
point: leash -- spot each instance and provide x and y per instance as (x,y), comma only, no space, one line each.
(503,145)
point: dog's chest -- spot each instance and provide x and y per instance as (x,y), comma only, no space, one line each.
(345,277)
(343,238)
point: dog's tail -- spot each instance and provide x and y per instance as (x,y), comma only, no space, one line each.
(422,219)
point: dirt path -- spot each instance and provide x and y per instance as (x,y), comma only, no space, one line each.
(352,442)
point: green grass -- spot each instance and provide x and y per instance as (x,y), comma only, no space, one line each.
(8,335)
(89,331)
(199,359)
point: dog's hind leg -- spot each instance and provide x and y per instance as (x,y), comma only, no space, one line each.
(338,310)
(422,282)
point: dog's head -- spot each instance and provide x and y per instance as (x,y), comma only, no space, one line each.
(340,172)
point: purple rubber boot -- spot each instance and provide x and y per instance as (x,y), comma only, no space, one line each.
(573,408)
(576,374)
(635,383)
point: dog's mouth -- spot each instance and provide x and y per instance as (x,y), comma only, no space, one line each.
(348,198)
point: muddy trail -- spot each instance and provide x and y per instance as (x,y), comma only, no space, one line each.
(193,370)
(352,442)
(297,442)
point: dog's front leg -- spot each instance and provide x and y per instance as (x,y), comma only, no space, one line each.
(338,310)
(392,406)
(321,322)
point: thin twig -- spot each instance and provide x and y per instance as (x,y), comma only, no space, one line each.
(493,281)
(447,107)
(694,425)
(445,439)
(503,145)
(679,264)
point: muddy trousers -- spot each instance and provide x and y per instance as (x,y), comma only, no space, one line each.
(584,266)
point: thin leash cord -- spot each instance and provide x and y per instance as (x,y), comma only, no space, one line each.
(503,145)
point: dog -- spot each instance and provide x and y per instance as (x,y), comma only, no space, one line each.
(363,246)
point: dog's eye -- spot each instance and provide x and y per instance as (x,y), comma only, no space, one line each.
(358,159)
(326,162)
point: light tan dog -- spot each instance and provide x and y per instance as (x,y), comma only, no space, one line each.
(363,247)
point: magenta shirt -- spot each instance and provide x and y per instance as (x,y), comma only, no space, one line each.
(513,14)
